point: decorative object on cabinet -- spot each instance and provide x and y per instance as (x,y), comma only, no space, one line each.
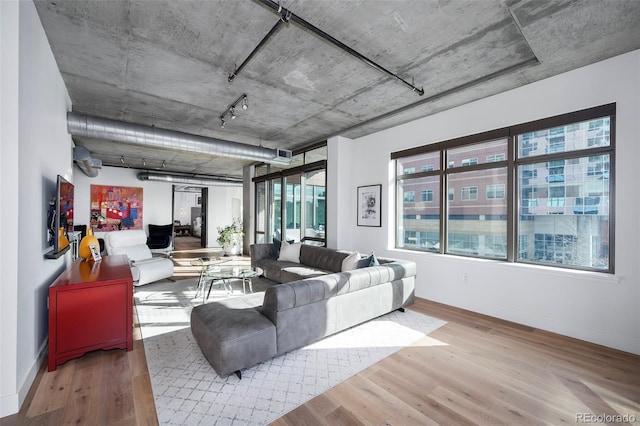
(84,251)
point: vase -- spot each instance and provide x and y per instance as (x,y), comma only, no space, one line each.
(62,239)
(83,249)
(231,248)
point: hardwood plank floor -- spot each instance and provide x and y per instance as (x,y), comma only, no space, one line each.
(473,370)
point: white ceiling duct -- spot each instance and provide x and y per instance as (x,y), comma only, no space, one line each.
(136,134)
(204,181)
(88,165)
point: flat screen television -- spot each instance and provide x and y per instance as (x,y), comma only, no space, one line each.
(60,218)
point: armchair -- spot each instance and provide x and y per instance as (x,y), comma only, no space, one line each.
(160,239)
(144,267)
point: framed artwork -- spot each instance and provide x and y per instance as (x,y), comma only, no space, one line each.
(369,205)
(115,207)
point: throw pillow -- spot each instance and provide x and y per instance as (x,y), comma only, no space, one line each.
(275,248)
(364,262)
(350,262)
(290,252)
(367,261)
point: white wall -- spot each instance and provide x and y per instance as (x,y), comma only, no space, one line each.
(225,205)
(37,148)
(596,307)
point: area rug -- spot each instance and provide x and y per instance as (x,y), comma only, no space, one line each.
(187,391)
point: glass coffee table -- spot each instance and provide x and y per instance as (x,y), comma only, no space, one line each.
(224,275)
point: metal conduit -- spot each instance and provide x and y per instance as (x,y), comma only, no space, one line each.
(135,134)
(286,15)
(189,180)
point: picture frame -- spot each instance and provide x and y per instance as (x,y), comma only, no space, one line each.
(369,208)
(95,253)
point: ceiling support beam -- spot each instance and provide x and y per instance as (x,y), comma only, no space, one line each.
(286,15)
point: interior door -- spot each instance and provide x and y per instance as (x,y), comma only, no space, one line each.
(205,204)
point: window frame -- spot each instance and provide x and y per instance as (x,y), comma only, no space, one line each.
(513,161)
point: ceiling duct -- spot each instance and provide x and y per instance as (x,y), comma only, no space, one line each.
(136,134)
(189,180)
(88,165)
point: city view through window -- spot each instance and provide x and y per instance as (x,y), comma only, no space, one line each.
(555,210)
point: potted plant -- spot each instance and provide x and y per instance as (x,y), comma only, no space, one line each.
(230,237)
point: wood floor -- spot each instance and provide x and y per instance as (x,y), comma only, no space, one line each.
(473,370)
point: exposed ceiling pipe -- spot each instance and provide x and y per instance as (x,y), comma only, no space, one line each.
(190,180)
(136,134)
(88,165)
(286,15)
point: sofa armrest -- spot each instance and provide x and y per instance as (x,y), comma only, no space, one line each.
(259,251)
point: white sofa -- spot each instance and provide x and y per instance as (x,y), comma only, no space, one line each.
(144,267)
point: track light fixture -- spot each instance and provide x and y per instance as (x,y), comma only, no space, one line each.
(231,109)
(122,159)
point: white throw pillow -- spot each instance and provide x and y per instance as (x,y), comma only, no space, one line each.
(351,262)
(290,252)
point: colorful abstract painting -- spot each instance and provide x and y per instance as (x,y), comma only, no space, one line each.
(115,207)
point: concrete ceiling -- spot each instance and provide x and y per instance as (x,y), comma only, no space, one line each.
(166,64)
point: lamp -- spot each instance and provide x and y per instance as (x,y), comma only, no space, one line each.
(231,109)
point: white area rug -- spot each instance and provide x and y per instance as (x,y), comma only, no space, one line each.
(188,391)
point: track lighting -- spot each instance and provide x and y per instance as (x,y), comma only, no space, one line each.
(164,164)
(144,162)
(231,109)
(122,159)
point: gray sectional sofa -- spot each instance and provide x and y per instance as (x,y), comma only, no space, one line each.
(313,300)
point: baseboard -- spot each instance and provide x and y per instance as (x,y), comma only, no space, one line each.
(14,402)
(9,405)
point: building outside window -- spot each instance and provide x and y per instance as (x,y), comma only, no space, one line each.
(557,212)
(291,201)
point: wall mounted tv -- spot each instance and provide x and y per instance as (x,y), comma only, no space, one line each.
(60,218)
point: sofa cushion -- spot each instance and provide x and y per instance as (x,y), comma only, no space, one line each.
(322,258)
(281,272)
(290,252)
(275,248)
(351,262)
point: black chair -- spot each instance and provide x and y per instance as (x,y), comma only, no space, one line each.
(160,239)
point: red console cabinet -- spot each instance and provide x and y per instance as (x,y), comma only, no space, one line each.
(90,307)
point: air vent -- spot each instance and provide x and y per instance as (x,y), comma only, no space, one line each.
(283,154)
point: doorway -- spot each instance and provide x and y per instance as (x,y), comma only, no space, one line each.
(189,212)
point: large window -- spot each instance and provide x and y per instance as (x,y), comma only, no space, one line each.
(537,192)
(290,202)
